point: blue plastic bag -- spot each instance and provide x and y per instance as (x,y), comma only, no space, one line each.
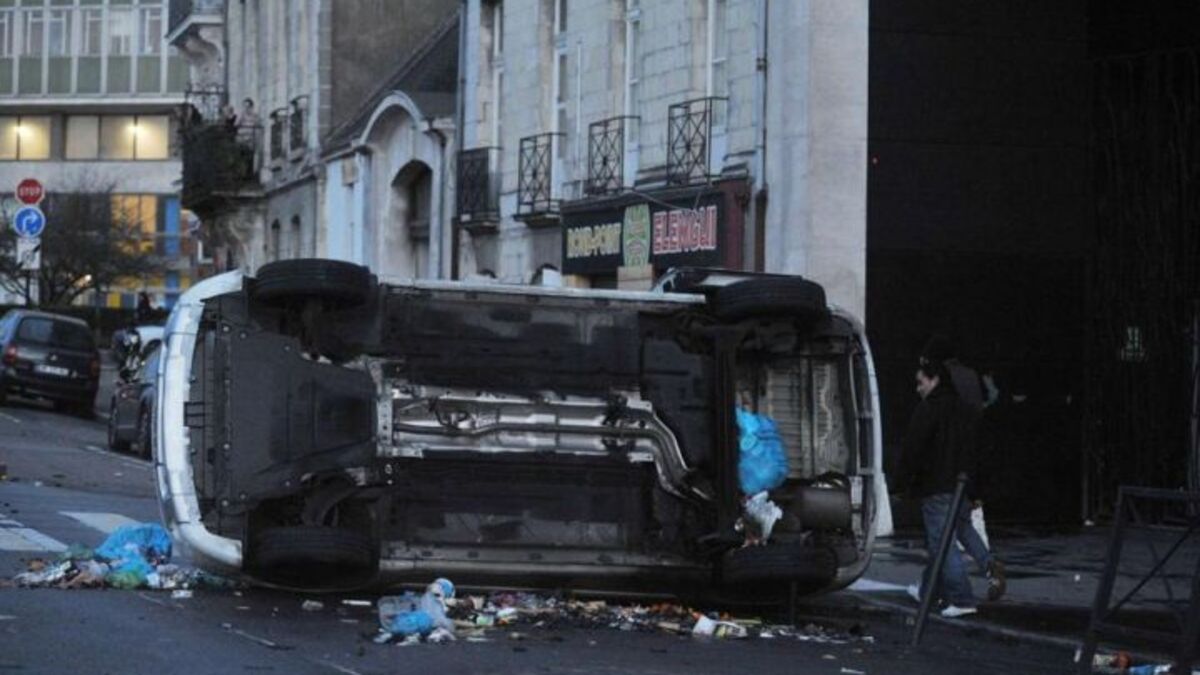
(762,464)
(147,542)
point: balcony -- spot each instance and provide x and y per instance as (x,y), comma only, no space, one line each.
(606,156)
(220,165)
(537,199)
(477,207)
(689,141)
(185,17)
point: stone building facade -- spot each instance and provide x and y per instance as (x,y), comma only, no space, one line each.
(607,140)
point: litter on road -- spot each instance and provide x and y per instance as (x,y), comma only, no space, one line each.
(133,556)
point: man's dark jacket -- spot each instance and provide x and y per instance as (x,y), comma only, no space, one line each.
(939,444)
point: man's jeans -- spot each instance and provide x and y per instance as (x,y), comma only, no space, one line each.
(971,541)
(955,587)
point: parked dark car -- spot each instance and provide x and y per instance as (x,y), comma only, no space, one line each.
(132,407)
(318,428)
(49,356)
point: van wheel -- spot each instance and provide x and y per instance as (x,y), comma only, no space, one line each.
(145,441)
(769,296)
(286,282)
(314,556)
(779,562)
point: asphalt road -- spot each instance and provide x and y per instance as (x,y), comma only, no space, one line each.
(63,487)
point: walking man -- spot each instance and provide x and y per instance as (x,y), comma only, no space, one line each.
(940,444)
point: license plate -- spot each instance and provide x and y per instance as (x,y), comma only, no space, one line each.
(52,370)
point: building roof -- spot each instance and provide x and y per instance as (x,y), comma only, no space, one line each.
(429,78)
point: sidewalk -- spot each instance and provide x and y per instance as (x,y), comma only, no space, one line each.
(1052,580)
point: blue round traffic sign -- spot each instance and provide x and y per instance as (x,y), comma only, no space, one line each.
(29,222)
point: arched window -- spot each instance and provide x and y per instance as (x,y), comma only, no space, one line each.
(294,239)
(274,243)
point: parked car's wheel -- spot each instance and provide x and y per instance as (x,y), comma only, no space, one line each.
(145,441)
(767,296)
(313,556)
(115,443)
(290,281)
(779,562)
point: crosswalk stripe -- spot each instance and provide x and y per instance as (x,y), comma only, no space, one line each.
(28,539)
(105,522)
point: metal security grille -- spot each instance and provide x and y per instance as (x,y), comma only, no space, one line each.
(296,124)
(606,156)
(478,193)
(278,118)
(1145,277)
(535,188)
(689,139)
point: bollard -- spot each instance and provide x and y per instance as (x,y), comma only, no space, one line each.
(935,575)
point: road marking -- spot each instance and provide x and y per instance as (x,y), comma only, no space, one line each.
(126,460)
(17,537)
(105,522)
(10,418)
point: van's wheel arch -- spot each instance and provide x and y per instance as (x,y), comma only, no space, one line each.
(768,296)
(313,556)
(295,282)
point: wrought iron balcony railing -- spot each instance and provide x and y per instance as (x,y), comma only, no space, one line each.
(296,141)
(278,119)
(478,192)
(689,140)
(606,155)
(535,176)
(220,162)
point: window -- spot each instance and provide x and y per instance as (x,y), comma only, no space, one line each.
(7,19)
(138,216)
(560,16)
(294,239)
(35,30)
(55,333)
(25,138)
(633,59)
(561,94)
(92,32)
(141,137)
(152,30)
(274,243)
(58,32)
(83,137)
(718,52)
(497,72)
(120,32)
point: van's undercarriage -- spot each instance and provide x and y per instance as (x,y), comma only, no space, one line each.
(522,438)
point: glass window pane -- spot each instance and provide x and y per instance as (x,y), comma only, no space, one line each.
(152,137)
(33,138)
(116,137)
(8,137)
(6,33)
(59,33)
(120,32)
(83,137)
(93,31)
(35,25)
(152,30)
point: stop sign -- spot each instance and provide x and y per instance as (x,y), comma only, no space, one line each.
(30,191)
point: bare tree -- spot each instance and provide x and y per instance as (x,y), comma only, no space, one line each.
(91,241)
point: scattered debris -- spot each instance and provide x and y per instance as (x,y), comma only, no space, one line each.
(851,671)
(181,594)
(133,556)
(706,627)
(312,606)
(409,615)
(357,603)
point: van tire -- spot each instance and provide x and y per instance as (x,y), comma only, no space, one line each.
(314,556)
(769,296)
(287,282)
(779,562)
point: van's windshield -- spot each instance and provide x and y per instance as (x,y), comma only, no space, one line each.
(53,333)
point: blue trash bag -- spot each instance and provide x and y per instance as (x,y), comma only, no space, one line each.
(147,542)
(762,464)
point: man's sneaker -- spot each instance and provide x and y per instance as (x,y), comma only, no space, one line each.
(997,582)
(954,611)
(914,592)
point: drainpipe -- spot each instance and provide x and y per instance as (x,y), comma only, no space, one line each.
(437,232)
(760,126)
(460,124)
